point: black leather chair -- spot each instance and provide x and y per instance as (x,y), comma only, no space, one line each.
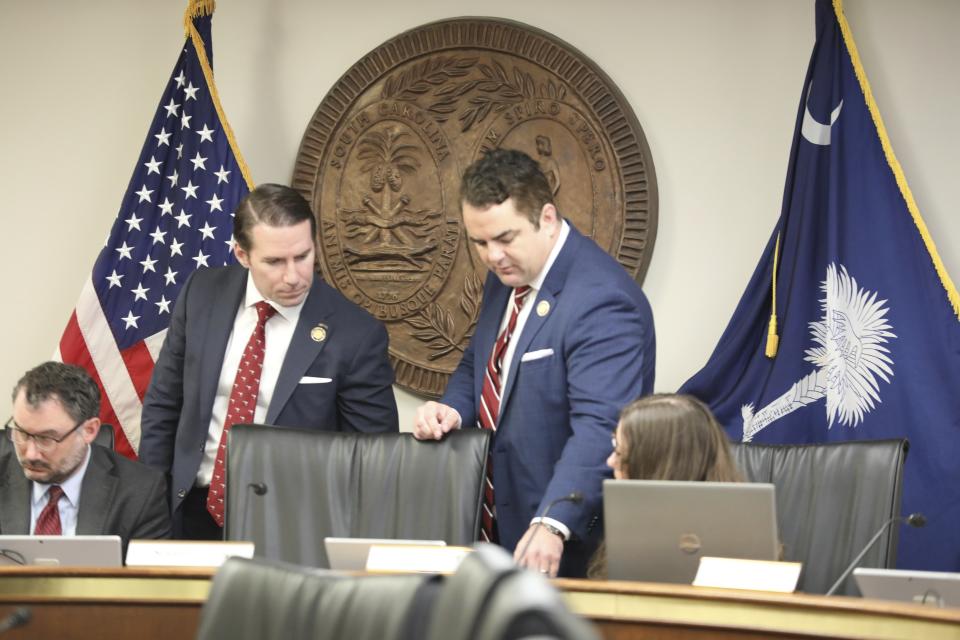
(105,436)
(288,488)
(490,598)
(258,599)
(831,499)
(5,443)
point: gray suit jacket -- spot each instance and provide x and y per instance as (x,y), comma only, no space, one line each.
(117,497)
(350,353)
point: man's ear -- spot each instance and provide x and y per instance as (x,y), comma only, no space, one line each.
(90,429)
(549,216)
(242,256)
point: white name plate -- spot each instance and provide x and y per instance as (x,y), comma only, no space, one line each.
(184,553)
(755,575)
(415,559)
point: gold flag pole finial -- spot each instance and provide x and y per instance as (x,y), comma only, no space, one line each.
(773,340)
(195,9)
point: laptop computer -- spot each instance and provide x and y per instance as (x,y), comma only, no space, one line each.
(61,551)
(350,554)
(934,588)
(657,531)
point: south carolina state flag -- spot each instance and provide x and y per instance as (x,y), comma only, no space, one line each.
(869,337)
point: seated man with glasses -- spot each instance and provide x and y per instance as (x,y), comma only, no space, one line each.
(53,481)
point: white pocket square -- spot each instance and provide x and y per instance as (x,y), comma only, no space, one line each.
(312,380)
(536,355)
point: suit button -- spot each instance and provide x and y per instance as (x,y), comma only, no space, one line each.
(182,494)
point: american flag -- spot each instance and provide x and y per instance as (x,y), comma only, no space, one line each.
(176,216)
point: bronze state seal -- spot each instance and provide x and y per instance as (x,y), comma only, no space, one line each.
(382,157)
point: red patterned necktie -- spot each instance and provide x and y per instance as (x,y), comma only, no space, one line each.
(240,409)
(48,524)
(490,406)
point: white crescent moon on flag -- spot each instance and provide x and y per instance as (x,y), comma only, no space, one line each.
(817,132)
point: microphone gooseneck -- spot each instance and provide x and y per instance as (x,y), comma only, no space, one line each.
(914,520)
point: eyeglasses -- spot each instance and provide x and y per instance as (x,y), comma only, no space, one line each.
(43,444)
(613,443)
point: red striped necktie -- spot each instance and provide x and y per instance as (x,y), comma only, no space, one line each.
(48,524)
(241,407)
(490,406)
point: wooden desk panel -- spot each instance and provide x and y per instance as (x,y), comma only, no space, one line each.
(164,604)
(112,604)
(640,610)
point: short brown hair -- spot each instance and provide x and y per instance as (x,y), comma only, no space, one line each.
(507,173)
(274,205)
(68,384)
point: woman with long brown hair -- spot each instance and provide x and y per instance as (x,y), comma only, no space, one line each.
(667,437)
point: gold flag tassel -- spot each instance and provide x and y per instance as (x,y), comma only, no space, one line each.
(196,9)
(773,340)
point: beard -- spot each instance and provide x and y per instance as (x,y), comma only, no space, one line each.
(43,471)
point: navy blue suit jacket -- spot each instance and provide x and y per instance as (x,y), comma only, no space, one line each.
(179,402)
(573,370)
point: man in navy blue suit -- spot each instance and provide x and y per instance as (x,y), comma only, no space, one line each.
(564,340)
(323,365)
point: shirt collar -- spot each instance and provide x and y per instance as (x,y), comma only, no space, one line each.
(253,296)
(71,486)
(537,283)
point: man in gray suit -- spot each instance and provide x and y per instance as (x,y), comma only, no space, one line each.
(263,341)
(54,481)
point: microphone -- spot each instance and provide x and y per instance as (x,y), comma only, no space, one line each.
(575,497)
(258,489)
(914,520)
(17,618)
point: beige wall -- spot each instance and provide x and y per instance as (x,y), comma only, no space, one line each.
(715,85)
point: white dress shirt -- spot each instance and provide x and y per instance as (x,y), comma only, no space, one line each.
(278,332)
(528,304)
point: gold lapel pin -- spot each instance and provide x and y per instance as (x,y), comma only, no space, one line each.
(543,308)
(319,333)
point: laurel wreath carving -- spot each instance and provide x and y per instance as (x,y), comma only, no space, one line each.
(495,89)
(436,327)
(418,79)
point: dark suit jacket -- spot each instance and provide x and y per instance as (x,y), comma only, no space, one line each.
(576,365)
(117,497)
(179,401)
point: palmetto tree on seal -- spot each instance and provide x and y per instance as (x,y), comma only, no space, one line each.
(848,354)
(386,157)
